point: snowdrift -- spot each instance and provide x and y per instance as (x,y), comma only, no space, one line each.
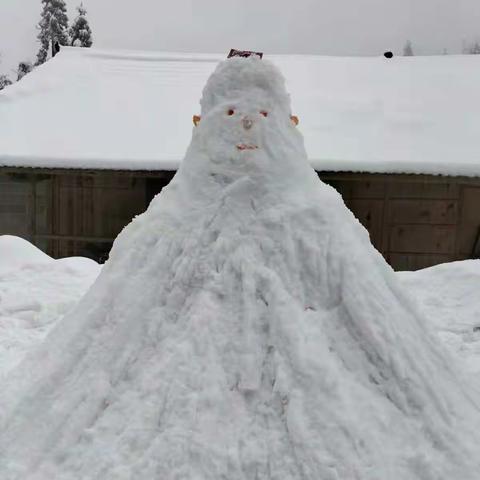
(17,253)
(448,295)
(36,291)
(243,328)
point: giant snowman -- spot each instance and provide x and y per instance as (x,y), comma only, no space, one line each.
(244,328)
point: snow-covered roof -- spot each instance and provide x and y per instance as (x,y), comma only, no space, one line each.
(90,108)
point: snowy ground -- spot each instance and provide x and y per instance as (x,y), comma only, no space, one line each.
(36,291)
(448,295)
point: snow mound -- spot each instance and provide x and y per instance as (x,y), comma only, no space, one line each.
(36,291)
(448,296)
(15,253)
(244,327)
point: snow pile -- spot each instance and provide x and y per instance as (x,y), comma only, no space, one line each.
(16,253)
(244,327)
(448,295)
(133,111)
(35,292)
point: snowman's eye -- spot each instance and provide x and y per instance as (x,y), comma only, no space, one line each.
(264,113)
(231,112)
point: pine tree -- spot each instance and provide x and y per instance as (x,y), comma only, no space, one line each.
(80,31)
(53,28)
(407,49)
(23,69)
(4,82)
(474,49)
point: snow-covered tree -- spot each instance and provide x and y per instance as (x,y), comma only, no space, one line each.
(23,69)
(53,28)
(4,82)
(471,48)
(408,49)
(474,48)
(80,31)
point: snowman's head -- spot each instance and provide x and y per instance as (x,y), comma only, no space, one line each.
(243,78)
(246,117)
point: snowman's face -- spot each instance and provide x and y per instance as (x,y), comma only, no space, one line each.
(237,133)
(246,128)
(240,126)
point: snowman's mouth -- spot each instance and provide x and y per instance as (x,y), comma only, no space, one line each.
(246,146)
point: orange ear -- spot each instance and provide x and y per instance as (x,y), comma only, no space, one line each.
(196,119)
(294,119)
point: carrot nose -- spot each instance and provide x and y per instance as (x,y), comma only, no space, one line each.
(247,123)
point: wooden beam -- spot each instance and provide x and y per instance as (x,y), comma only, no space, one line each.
(74,238)
(476,246)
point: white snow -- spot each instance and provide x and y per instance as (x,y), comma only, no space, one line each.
(244,327)
(35,292)
(448,295)
(17,253)
(90,108)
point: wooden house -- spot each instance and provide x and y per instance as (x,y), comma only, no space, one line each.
(89,138)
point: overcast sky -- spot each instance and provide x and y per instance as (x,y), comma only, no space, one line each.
(332,27)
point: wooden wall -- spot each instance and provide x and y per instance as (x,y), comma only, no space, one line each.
(16,205)
(67,213)
(414,220)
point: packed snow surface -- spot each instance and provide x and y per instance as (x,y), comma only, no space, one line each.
(130,110)
(244,327)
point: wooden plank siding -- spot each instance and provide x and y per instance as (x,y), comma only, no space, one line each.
(415,221)
(16,205)
(68,212)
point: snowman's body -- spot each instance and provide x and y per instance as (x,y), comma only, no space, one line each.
(243,328)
